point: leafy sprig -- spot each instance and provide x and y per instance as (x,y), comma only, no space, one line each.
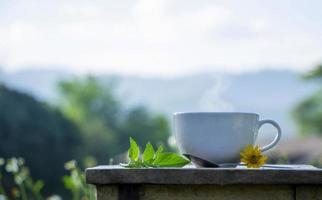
(151,158)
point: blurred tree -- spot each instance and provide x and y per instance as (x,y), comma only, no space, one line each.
(308,114)
(95,111)
(144,126)
(38,133)
(85,98)
(105,126)
(315,74)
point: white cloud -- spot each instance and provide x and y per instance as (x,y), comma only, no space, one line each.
(160,37)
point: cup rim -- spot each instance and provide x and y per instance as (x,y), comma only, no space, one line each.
(215,113)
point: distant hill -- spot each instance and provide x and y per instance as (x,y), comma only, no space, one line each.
(39,83)
(272,94)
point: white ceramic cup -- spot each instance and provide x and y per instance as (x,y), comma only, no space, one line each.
(219,137)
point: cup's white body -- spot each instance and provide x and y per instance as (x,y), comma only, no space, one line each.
(216,137)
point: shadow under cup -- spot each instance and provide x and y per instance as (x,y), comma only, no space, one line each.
(218,137)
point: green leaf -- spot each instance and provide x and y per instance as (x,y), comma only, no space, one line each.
(134,150)
(159,151)
(170,160)
(153,159)
(148,153)
(133,164)
(68,182)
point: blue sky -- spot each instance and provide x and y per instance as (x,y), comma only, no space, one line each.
(160,37)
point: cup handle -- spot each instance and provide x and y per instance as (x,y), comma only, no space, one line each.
(277,137)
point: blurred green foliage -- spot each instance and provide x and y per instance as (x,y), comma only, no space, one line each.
(38,133)
(89,124)
(25,188)
(308,113)
(96,113)
(104,122)
(75,182)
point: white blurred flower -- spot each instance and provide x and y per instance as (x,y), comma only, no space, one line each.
(70,165)
(20,161)
(21,176)
(12,165)
(2,161)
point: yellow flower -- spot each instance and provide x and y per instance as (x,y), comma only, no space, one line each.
(252,157)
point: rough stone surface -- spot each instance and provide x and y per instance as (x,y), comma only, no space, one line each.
(104,175)
(213,192)
(311,192)
(107,192)
(194,192)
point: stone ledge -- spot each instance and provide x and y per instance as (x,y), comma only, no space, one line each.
(111,175)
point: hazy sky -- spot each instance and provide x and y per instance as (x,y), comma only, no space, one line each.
(160,37)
